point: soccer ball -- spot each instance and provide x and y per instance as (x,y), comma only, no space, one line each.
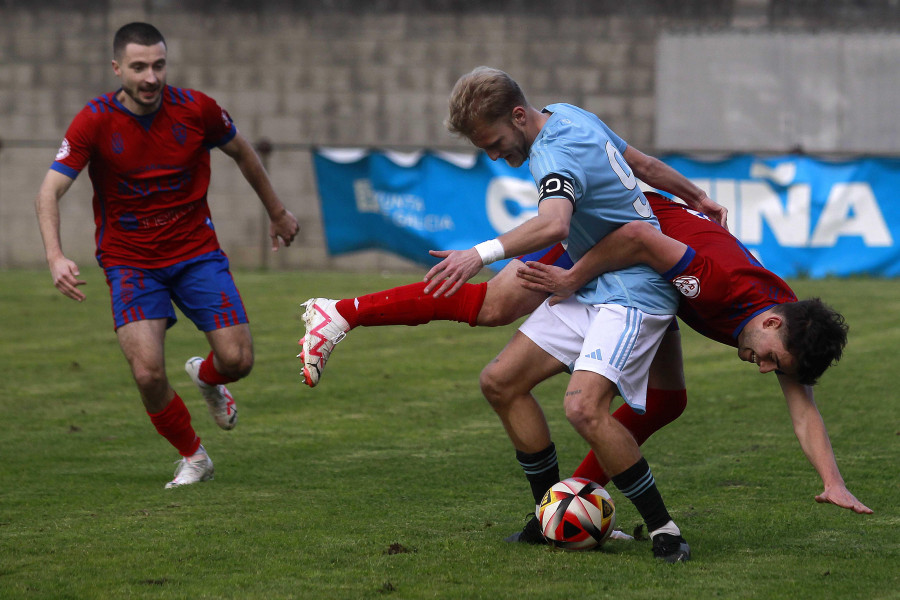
(576,514)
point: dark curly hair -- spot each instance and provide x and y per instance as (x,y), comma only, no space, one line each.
(816,336)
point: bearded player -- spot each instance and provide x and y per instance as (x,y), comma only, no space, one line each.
(147,147)
(753,312)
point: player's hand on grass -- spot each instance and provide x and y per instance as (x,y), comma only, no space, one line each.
(458,267)
(65,277)
(283,229)
(548,279)
(841,496)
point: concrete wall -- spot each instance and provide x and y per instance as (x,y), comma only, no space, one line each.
(301,73)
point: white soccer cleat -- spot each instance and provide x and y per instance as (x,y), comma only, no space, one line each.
(325,327)
(221,403)
(192,469)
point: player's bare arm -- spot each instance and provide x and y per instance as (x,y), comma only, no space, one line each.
(283,225)
(65,272)
(663,177)
(813,437)
(632,243)
(551,225)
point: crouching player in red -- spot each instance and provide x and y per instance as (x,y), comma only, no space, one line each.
(729,297)
(752,312)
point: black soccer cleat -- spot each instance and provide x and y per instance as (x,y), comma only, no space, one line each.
(671,548)
(530,534)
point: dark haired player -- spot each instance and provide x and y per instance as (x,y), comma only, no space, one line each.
(728,296)
(146,147)
(752,310)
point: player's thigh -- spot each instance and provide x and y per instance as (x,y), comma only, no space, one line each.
(667,368)
(206,293)
(590,395)
(559,330)
(506,299)
(143,343)
(519,367)
(232,345)
(138,294)
(620,344)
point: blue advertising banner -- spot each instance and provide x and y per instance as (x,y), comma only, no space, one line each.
(801,216)
(410,203)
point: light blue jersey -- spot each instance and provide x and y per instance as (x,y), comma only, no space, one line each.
(576,156)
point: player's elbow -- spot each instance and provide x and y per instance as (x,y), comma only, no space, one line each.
(556,230)
(636,237)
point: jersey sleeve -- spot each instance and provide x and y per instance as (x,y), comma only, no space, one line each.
(557,171)
(218,126)
(75,151)
(618,142)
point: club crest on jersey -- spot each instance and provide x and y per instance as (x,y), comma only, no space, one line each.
(688,285)
(180,133)
(118,144)
(64,150)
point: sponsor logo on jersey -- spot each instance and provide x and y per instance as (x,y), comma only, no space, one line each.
(118,143)
(64,150)
(129,222)
(227,119)
(180,133)
(688,285)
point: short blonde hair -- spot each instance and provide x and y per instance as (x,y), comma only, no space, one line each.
(480,97)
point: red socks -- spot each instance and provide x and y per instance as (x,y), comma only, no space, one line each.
(663,407)
(174,424)
(408,305)
(208,373)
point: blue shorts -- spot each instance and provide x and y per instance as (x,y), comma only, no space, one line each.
(201,287)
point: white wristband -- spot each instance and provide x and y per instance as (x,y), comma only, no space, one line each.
(490,251)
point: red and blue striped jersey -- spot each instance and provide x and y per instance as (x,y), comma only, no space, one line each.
(723,285)
(150,175)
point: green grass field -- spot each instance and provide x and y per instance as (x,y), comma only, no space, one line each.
(394,479)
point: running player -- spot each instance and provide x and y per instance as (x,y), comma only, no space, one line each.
(147,147)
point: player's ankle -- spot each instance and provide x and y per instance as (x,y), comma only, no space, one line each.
(671,528)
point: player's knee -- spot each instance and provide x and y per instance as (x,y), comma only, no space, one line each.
(237,364)
(149,379)
(493,385)
(496,314)
(582,414)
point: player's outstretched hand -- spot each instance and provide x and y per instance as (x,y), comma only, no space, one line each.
(842,497)
(283,229)
(548,279)
(458,267)
(65,277)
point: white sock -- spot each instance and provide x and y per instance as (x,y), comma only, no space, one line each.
(671,528)
(199,454)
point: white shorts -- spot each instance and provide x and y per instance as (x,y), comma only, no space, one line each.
(617,342)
